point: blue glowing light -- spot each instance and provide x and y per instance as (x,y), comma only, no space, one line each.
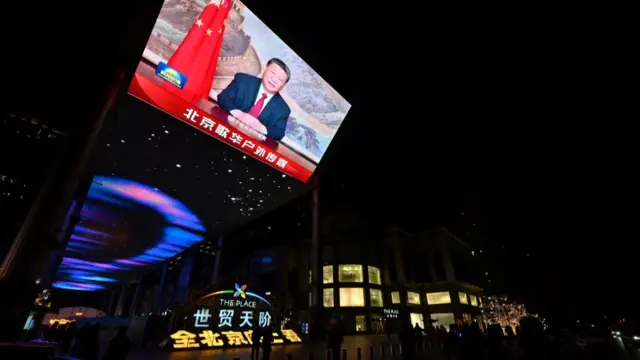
(182,230)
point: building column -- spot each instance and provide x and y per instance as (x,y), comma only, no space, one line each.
(445,250)
(157,300)
(316,323)
(27,256)
(216,264)
(397,255)
(182,287)
(112,300)
(135,301)
(121,300)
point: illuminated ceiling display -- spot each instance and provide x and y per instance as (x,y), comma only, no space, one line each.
(115,212)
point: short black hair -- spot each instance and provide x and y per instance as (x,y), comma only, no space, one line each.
(282,65)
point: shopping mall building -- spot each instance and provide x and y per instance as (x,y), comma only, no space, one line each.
(371,279)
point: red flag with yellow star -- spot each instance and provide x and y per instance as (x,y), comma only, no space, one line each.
(197,55)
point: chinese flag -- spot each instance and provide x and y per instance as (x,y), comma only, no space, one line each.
(197,55)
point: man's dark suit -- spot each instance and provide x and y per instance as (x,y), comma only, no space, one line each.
(242,93)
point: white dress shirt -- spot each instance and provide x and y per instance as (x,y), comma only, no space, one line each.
(266,100)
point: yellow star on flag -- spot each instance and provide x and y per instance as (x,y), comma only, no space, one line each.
(209,32)
(199,22)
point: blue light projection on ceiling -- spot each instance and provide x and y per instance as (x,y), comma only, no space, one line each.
(109,201)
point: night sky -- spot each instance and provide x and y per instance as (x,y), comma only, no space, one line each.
(450,108)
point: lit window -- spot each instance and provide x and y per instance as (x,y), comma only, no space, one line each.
(375,296)
(474,300)
(310,277)
(327,297)
(310,299)
(395,297)
(413,298)
(463,298)
(350,273)
(351,297)
(417,319)
(374,275)
(361,324)
(327,274)
(438,298)
(479,301)
(466,318)
(443,319)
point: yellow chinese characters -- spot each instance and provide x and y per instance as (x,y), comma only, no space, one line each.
(235,338)
(277,339)
(211,339)
(184,339)
(291,335)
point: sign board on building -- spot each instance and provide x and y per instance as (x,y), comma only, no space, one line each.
(229,322)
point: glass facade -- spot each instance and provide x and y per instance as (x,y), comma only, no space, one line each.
(395,297)
(416,319)
(375,296)
(351,297)
(437,298)
(361,323)
(413,298)
(374,275)
(327,297)
(473,300)
(463,298)
(350,273)
(327,274)
(444,319)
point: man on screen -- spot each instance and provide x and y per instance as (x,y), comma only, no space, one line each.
(256,102)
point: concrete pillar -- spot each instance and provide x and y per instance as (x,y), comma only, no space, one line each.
(135,301)
(112,300)
(431,252)
(216,265)
(121,300)
(182,288)
(316,323)
(445,251)
(398,258)
(157,299)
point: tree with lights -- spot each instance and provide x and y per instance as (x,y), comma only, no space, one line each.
(499,310)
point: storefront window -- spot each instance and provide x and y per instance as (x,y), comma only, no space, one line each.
(376,297)
(413,298)
(327,297)
(395,297)
(463,298)
(474,300)
(361,323)
(444,319)
(327,274)
(466,318)
(374,276)
(351,297)
(417,319)
(350,273)
(437,298)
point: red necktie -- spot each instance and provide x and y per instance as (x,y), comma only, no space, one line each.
(257,108)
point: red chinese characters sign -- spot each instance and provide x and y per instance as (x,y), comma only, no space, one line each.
(216,125)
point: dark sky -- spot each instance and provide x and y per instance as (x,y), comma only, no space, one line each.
(451,107)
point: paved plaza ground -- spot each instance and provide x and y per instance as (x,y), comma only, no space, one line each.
(318,351)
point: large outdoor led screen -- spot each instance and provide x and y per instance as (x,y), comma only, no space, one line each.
(215,66)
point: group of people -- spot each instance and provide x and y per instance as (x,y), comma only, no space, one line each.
(261,338)
(469,342)
(83,342)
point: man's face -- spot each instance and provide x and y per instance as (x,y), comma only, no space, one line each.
(274,78)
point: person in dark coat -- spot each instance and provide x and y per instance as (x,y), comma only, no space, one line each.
(88,347)
(267,340)
(255,342)
(119,346)
(335,339)
(407,341)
